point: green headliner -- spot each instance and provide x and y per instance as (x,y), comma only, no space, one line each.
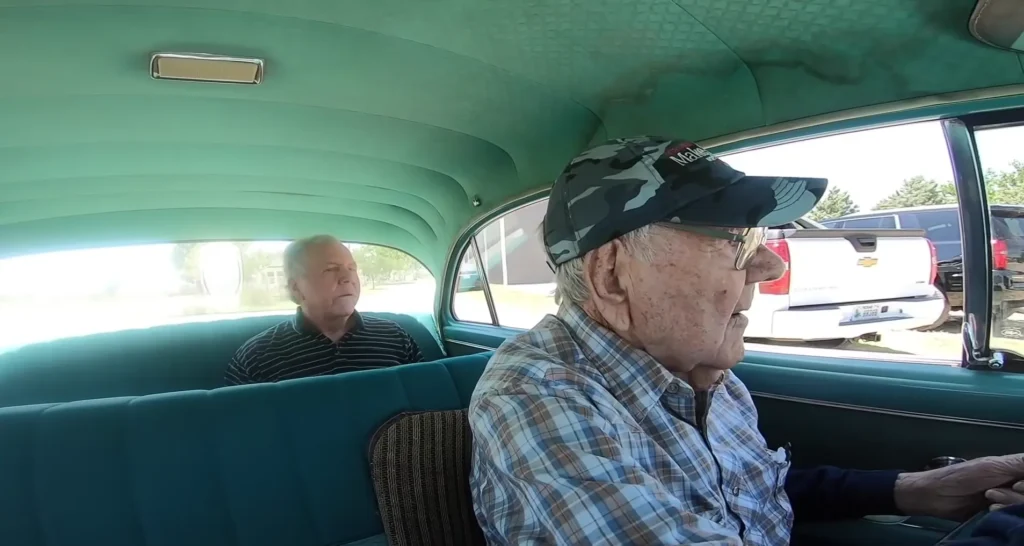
(381,121)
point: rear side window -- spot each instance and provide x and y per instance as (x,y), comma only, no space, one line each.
(878,222)
(79,292)
(941,226)
(1007,227)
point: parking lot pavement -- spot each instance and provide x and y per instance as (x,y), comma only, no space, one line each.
(944,343)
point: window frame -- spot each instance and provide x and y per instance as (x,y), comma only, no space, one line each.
(975,226)
(492,311)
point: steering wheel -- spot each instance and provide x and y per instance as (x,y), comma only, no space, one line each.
(964,529)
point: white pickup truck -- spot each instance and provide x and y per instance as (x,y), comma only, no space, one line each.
(845,283)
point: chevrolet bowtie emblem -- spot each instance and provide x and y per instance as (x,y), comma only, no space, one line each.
(867,262)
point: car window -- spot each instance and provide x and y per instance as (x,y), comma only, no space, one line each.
(1007,226)
(519,279)
(908,220)
(866,223)
(940,226)
(78,292)
(1002,163)
(834,297)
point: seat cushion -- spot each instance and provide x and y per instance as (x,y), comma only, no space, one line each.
(254,465)
(420,466)
(168,358)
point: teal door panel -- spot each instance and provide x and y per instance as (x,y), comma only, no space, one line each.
(922,388)
(467,338)
(877,439)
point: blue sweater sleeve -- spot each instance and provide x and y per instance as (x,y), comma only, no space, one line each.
(830,493)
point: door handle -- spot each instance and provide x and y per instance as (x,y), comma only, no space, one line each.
(945,460)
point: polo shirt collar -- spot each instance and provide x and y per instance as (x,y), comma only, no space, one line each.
(303,325)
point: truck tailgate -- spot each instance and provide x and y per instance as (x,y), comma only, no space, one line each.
(833,266)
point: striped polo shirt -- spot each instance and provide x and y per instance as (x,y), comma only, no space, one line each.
(296,348)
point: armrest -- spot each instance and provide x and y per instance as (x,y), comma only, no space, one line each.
(916,531)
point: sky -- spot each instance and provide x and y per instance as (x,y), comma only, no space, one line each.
(871,164)
(868,164)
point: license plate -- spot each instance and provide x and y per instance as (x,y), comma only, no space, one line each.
(865,312)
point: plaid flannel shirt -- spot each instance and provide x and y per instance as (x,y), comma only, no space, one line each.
(581,439)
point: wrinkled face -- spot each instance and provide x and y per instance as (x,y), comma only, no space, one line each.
(329,286)
(683,304)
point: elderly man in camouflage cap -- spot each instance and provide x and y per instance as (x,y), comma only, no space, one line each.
(618,421)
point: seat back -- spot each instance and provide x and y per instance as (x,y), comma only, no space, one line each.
(420,464)
(254,465)
(170,358)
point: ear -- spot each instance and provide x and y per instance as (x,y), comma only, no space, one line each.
(293,292)
(606,271)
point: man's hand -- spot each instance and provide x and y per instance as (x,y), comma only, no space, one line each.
(959,491)
(1002,497)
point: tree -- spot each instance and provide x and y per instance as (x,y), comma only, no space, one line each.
(918,191)
(255,260)
(1006,188)
(379,263)
(835,204)
(186,258)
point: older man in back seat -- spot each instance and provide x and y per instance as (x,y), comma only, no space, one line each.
(618,421)
(327,335)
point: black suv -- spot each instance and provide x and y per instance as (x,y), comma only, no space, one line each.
(942,227)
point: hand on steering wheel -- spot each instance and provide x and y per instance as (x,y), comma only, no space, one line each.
(1001,497)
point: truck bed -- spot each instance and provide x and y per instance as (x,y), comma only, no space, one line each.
(831,266)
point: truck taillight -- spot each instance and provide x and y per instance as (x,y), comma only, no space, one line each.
(1000,254)
(935,262)
(780,286)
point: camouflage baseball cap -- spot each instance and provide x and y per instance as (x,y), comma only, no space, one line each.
(625,184)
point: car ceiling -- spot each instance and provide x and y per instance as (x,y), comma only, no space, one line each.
(398,122)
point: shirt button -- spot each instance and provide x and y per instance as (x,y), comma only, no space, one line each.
(673,388)
(736,490)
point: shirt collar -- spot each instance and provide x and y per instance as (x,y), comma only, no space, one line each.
(633,377)
(303,325)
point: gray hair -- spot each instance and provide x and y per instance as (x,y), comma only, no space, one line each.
(295,256)
(569,282)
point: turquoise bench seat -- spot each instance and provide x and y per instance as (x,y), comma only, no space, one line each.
(257,465)
(169,358)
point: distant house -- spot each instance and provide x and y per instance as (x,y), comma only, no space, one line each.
(271,276)
(523,259)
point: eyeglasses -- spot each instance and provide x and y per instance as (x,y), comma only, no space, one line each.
(746,241)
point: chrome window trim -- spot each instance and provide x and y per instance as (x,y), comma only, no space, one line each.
(468,344)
